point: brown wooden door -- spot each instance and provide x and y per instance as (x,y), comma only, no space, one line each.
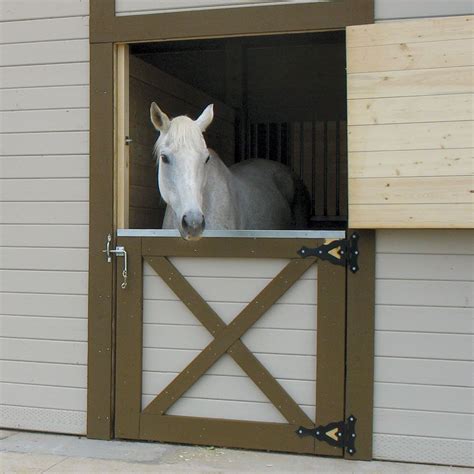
(234,342)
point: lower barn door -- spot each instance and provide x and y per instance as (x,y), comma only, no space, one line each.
(230,342)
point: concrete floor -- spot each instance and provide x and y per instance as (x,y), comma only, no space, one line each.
(40,452)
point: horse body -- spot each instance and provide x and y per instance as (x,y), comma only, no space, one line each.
(200,190)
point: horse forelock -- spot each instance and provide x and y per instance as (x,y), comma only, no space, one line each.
(184,133)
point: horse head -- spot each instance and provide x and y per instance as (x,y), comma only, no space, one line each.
(182,157)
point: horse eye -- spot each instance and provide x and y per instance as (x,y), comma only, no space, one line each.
(164,159)
(208,158)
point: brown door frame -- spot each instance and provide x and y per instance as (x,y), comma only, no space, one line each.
(106,30)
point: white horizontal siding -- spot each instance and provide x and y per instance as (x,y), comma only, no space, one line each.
(284,339)
(44,193)
(424,346)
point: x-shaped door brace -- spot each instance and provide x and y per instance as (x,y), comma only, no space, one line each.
(227,339)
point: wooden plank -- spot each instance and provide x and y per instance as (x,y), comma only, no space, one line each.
(71,329)
(73,306)
(422,423)
(45,52)
(19,258)
(416,136)
(145,197)
(70,190)
(406,163)
(320,169)
(45,120)
(331,169)
(330,371)
(419,397)
(129,344)
(63,398)
(418,216)
(40,98)
(63,352)
(218,432)
(433,29)
(48,29)
(450,242)
(13,10)
(359,380)
(434,108)
(456,80)
(44,213)
(70,166)
(412,191)
(45,75)
(43,373)
(409,56)
(424,371)
(343,170)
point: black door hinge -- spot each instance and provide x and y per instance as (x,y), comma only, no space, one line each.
(340,434)
(343,252)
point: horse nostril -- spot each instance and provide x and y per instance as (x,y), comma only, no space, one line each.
(203,222)
(184,224)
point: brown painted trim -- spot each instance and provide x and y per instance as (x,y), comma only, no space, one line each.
(226,433)
(331,349)
(360,345)
(129,342)
(226,22)
(226,338)
(239,352)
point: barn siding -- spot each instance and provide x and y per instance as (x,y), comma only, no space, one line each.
(44,186)
(424,322)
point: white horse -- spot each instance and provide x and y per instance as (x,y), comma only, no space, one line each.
(201,191)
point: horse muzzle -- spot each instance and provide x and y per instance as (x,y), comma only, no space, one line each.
(193,224)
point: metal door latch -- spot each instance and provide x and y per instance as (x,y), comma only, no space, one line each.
(119,251)
(340,434)
(346,250)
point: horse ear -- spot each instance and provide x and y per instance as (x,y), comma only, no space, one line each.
(205,119)
(158,118)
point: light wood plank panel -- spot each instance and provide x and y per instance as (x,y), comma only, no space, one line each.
(409,56)
(419,216)
(411,136)
(456,80)
(60,282)
(419,397)
(74,74)
(280,316)
(406,163)
(15,10)
(425,293)
(31,350)
(301,367)
(60,306)
(65,236)
(231,289)
(436,108)
(423,423)
(44,120)
(43,259)
(426,241)
(425,267)
(425,318)
(413,190)
(416,31)
(15,190)
(44,212)
(42,373)
(48,29)
(50,143)
(44,98)
(424,371)
(69,166)
(38,396)
(230,388)
(61,329)
(425,346)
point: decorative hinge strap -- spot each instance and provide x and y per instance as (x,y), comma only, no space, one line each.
(339,434)
(344,252)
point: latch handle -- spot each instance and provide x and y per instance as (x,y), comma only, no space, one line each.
(119,252)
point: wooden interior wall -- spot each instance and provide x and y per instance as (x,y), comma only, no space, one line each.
(148,84)
(410,117)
